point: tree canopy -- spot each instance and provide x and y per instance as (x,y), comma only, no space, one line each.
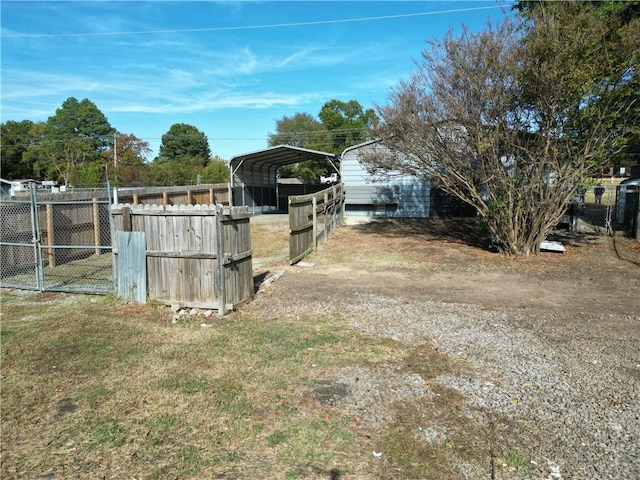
(127,165)
(603,39)
(184,143)
(69,144)
(510,119)
(16,137)
(348,122)
(340,125)
(301,130)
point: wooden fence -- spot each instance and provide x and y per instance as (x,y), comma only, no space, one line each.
(187,195)
(312,218)
(196,256)
(212,193)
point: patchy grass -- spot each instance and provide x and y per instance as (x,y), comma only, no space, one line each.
(269,241)
(94,387)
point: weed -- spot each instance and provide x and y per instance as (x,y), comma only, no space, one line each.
(515,460)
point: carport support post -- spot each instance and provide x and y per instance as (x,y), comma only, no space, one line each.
(637,235)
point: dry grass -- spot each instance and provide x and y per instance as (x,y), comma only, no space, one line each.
(95,388)
(269,242)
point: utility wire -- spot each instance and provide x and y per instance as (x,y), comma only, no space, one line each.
(309,134)
(252,27)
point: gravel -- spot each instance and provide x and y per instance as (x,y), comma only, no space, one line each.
(566,383)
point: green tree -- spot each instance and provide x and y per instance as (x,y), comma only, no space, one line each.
(128,165)
(15,139)
(217,171)
(184,143)
(301,130)
(341,125)
(510,120)
(348,122)
(608,56)
(71,139)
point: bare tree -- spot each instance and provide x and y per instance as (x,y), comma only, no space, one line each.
(496,121)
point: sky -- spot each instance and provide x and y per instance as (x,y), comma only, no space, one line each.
(231,69)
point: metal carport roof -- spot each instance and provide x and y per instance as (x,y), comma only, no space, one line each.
(277,157)
(253,174)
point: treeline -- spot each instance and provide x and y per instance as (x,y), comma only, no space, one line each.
(78,146)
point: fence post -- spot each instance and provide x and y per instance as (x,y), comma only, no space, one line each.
(50,239)
(637,217)
(326,218)
(333,210)
(314,205)
(37,235)
(220,261)
(96,226)
(126,219)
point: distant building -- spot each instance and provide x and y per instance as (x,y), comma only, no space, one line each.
(12,188)
(398,195)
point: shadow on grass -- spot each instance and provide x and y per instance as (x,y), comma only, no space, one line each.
(468,231)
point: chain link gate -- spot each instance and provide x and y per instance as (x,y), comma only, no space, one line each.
(56,244)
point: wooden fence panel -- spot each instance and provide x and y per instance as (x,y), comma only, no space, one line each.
(197,256)
(305,211)
(301,227)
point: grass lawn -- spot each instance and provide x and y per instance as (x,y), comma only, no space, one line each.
(96,388)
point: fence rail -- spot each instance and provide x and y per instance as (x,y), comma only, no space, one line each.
(312,218)
(211,193)
(196,256)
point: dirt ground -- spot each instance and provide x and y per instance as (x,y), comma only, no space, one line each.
(444,262)
(567,319)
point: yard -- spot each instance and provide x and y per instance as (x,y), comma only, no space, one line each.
(398,350)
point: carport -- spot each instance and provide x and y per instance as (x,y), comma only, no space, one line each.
(253,175)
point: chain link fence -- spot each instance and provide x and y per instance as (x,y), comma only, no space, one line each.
(609,208)
(56,244)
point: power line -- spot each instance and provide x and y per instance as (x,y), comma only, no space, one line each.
(252,27)
(309,134)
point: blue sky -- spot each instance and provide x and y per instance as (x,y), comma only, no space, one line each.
(231,69)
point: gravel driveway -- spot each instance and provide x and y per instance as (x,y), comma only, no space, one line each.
(551,345)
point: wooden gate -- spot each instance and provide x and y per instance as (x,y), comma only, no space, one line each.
(196,255)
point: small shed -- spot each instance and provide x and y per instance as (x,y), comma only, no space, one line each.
(397,195)
(254,175)
(13,187)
